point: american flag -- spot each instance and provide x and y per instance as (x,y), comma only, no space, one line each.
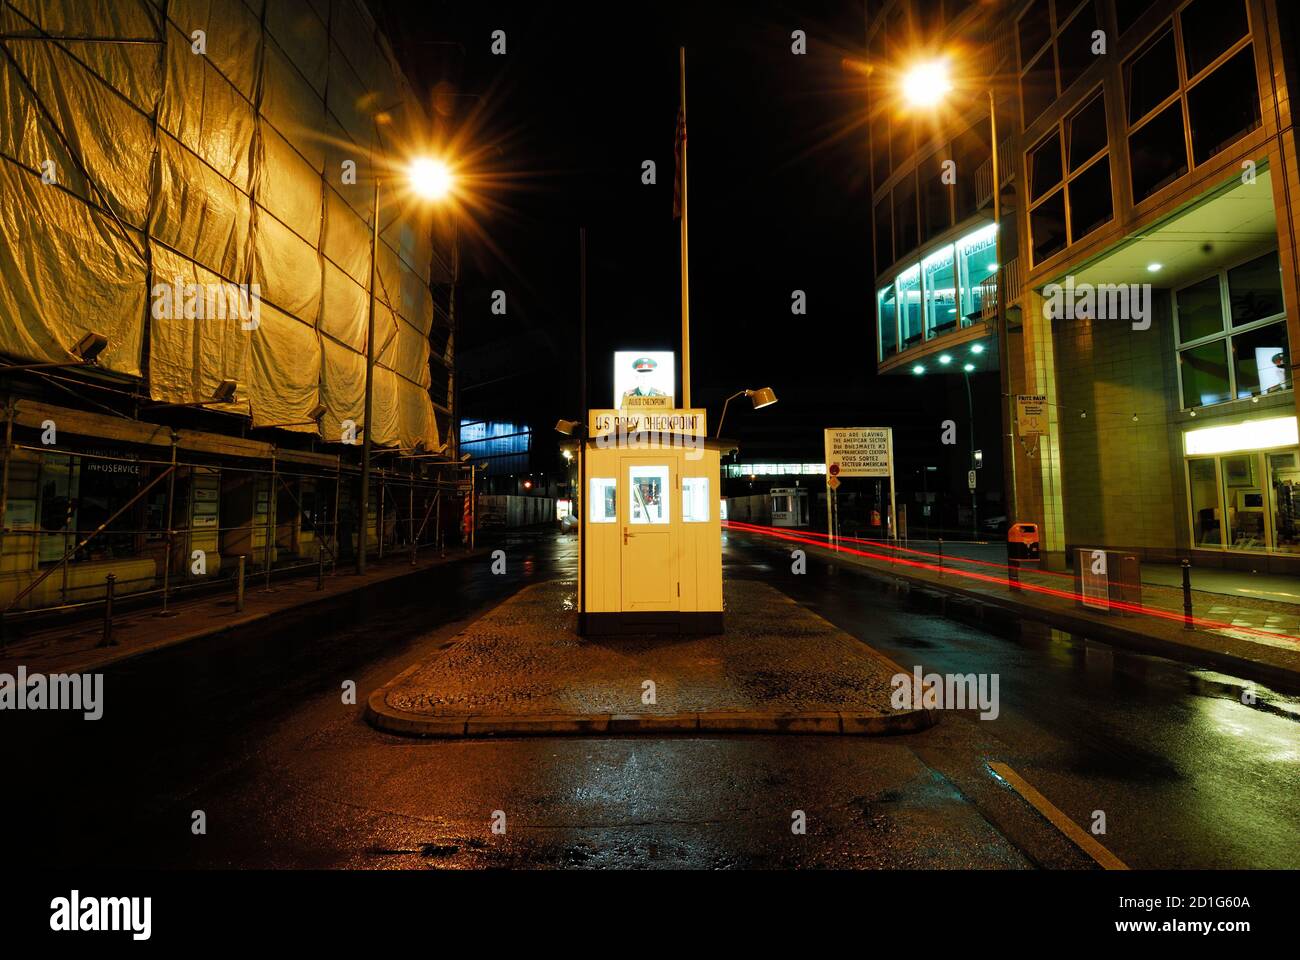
(679,147)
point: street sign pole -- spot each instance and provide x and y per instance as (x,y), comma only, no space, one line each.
(893,523)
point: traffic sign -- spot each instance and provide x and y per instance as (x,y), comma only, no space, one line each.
(970,479)
(833,482)
(835,469)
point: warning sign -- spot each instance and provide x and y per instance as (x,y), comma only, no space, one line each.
(860,451)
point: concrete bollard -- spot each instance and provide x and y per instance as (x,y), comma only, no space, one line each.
(239,585)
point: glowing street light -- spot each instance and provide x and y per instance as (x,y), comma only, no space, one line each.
(429,177)
(927,83)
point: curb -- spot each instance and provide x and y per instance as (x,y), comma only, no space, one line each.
(383,717)
(1275,675)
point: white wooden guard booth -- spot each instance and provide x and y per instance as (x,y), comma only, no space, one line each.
(651,549)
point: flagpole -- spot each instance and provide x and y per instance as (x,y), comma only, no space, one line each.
(686,280)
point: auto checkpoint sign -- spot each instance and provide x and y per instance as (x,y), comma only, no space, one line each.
(859,451)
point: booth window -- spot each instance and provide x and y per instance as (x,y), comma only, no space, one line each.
(648,494)
(604,504)
(695,499)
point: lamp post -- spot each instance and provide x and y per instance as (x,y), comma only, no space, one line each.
(925,85)
(431,179)
(762,397)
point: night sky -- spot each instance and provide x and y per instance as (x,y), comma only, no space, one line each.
(779,201)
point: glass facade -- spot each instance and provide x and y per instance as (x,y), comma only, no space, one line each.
(937,295)
(1246,502)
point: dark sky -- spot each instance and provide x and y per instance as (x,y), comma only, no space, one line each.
(779,201)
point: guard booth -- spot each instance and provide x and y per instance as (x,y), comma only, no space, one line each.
(651,543)
(789,506)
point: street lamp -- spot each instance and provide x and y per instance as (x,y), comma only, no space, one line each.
(925,84)
(762,397)
(432,179)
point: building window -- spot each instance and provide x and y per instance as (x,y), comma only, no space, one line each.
(905,236)
(1207,518)
(936,198)
(880,149)
(909,306)
(1055,41)
(1209,28)
(1232,336)
(940,292)
(1158,152)
(1223,106)
(884,235)
(1203,102)
(887,319)
(976,262)
(1074,154)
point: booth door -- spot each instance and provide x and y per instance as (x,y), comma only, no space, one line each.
(647,561)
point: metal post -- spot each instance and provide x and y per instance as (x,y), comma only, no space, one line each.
(110,587)
(974,502)
(268,554)
(1013,568)
(4,469)
(381,518)
(1004,347)
(438,536)
(171,535)
(941,557)
(338,482)
(410,511)
(239,585)
(370,385)
(473,504)
(320,565)
(1187,596)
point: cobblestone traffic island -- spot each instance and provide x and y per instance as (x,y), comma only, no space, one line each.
(522,669)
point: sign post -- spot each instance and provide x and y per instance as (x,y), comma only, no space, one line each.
(863,452)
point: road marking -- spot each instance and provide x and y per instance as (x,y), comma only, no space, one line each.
(1083,840)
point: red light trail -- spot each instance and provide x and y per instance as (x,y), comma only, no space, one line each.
(1178,617)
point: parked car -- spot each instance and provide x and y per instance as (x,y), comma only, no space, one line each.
(995,524)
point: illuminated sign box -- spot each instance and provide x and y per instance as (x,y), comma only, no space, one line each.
(644,380)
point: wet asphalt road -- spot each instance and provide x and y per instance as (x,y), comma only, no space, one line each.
(253,731)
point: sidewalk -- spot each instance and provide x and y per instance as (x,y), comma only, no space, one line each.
(73,647)
(522,669)
(1247,635)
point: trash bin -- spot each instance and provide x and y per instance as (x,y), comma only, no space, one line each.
(1022,541)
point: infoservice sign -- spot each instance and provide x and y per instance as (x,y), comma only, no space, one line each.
(644,379)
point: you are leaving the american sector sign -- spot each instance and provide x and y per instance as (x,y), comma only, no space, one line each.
(860,451)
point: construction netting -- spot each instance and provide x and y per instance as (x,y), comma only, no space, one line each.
(194,180)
